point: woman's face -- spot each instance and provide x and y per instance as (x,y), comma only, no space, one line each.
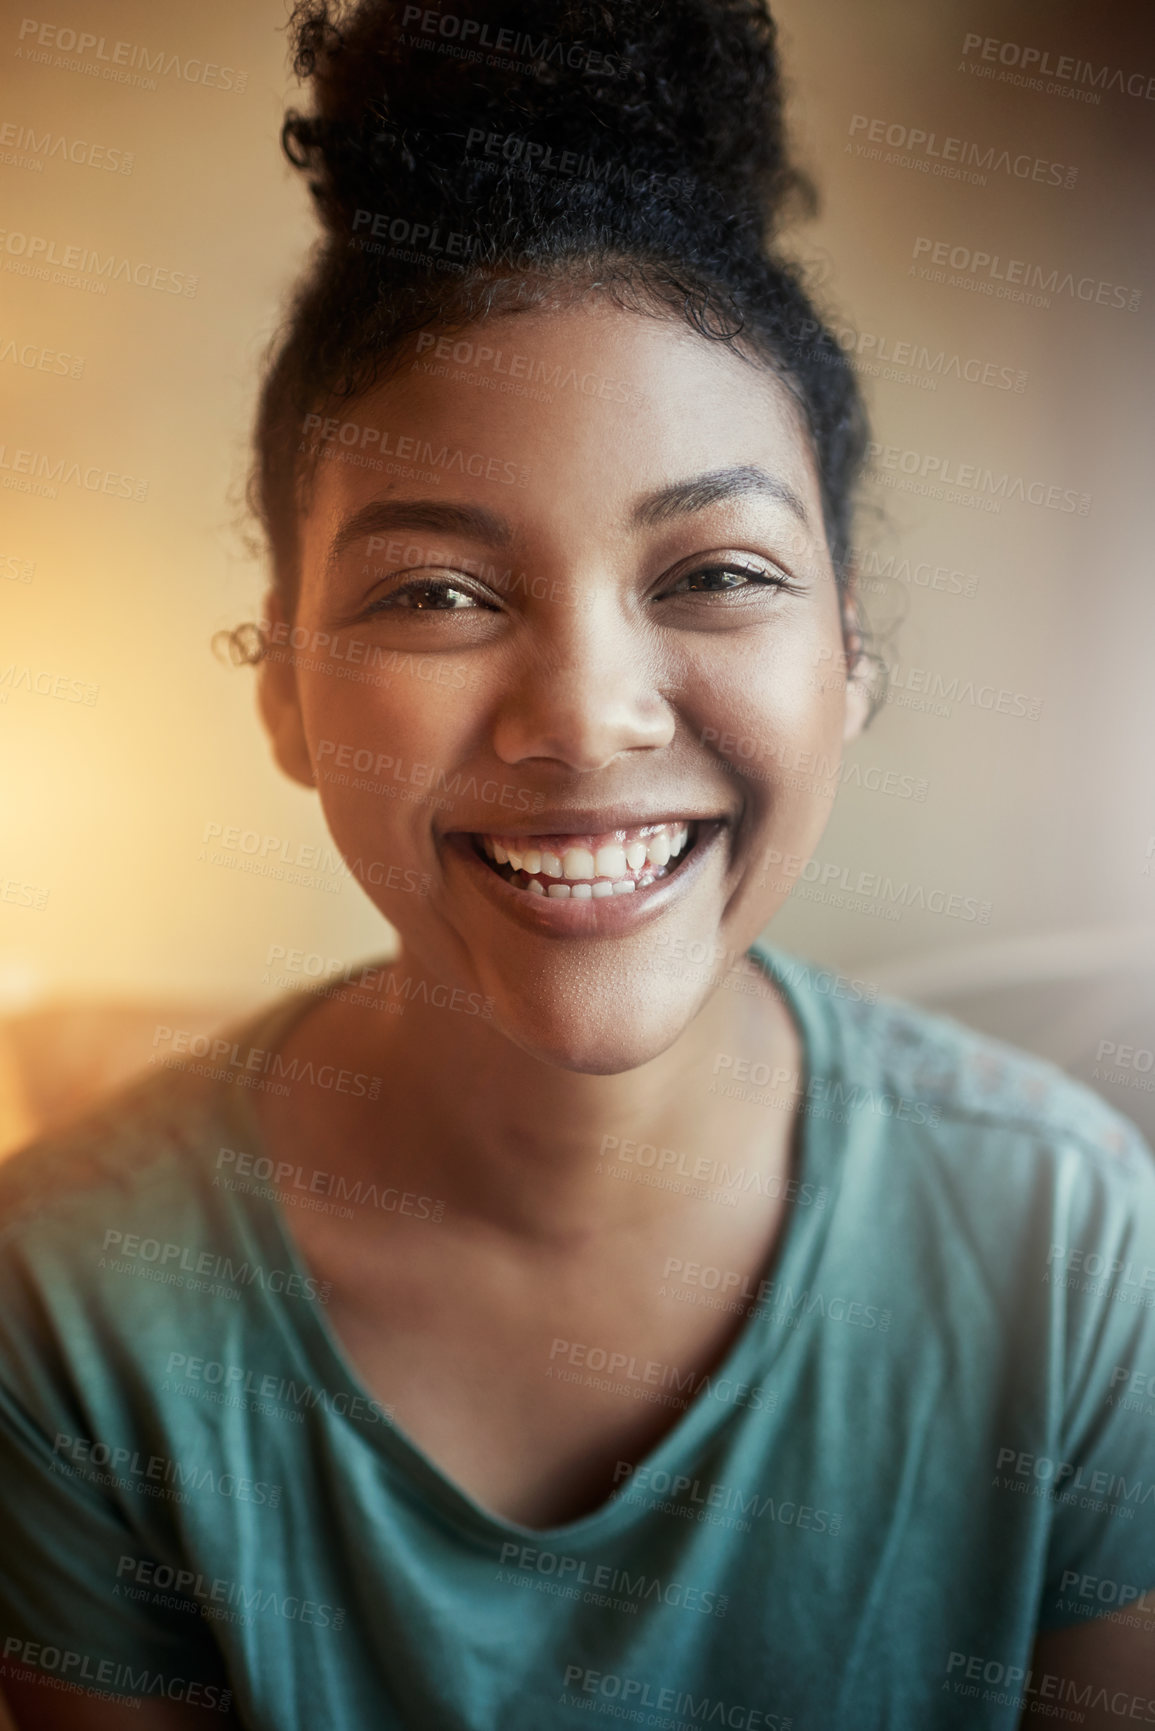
(565,596)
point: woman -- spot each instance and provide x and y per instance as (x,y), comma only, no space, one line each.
(586,1312)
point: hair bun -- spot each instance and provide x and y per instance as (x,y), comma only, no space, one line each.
(513,116)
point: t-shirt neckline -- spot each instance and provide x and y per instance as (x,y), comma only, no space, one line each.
(752,1353)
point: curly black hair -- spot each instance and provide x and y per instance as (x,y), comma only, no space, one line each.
(501,153)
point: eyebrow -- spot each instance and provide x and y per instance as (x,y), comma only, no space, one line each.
(681,498)
(436,515)
(700,491)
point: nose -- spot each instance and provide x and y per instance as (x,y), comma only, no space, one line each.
(584,691)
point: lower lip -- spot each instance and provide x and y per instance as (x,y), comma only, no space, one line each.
(600,916)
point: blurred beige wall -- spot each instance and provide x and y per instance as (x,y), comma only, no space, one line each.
(124,741)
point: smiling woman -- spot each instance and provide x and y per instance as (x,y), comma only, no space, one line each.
(699,596)
(644,1322)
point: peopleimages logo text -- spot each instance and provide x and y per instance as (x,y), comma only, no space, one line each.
(74,1668)
(1039,63)
(39,250)
(945,471)
(473,34)
(122,59)
(992,267)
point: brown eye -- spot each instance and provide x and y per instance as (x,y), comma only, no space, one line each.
(427,597)
(720,579)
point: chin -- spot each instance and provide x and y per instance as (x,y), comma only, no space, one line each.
(599,1039)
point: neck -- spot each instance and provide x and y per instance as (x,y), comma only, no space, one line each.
(534,1149)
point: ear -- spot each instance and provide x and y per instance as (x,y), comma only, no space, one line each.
(858,694)
(279,702)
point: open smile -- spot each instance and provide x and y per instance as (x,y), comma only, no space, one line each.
(598,882)
(589,867)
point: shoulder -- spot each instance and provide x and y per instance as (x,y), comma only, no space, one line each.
(108,1227)
(949,1097)
(1008,1143)
(972,1081)
(141,1152)
(137,1169)
(84,1213)
(114,1147)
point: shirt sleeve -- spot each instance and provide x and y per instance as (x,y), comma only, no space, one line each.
(72,1602)
(1101,1554)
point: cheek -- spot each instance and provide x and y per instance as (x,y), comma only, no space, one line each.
(776,719)
(369,753)
(775,712)
(403,707)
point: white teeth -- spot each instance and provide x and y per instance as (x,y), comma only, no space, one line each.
(578,862)
(610,862)
(615,868)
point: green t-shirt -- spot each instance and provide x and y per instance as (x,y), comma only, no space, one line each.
(934,1433)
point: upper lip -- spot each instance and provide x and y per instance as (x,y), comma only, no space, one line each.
(588,820)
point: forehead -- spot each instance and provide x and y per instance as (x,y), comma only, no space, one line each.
(564,413)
